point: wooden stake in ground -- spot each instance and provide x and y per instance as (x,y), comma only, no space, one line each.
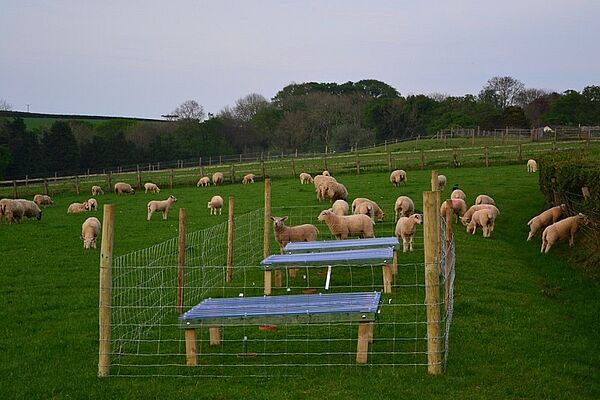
(106,256)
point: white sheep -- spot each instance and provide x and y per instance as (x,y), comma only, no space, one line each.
(215,203)
(11,210)
(466,218)
(531,166)
(403,207)
(362,205)
(458,207)
(484,199)
(42,199)
(485,218)
(405,230)
(442,182)
(320,182)
(544,219)
(160,205)
(334,191)
(305,178)
(458,194)
(340,207)
(562,230)
(89,232)
(151,187)
(97,191)
(299,233)
(217,178)
(30,209)
(249,178)
(326,173)
(547,129)
(204,181)
(92,204)
(398,176)
(123,188)
(348,225)
(76,208)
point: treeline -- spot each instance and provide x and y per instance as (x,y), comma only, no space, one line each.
(306,116)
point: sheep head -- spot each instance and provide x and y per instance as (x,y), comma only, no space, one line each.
(279,222)
(324,215)
(418,218)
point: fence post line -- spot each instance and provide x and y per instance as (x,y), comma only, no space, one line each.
(232,172)
(46,186)
(486,154)
(106,261)
(15,194)
(77,184)
(389,154)
(431,230)
(267,218)
(229,275)
(181,261)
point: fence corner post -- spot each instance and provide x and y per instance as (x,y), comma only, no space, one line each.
(106,262)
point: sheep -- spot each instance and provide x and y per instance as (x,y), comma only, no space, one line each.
(217,178)
(164,206)
(547,129)
(334,191)
(89,232)
(76,208)
(92,204)
(458,206)
(544,219)
(11,210)
(398,176)
(97,191)
(204,181)
(42,199)
(248,179)
(458,194)
(340,207)
(441,182)
(362,205)
(466,218)
(299,233)
(30,209)
(403,207)
(305,178)
(122,188)
(485,218)
(405,229)
(151,187)
(561,230)
(531,166)
(215,203)
(484,199)
(326,173)
(348,225)
(320,182)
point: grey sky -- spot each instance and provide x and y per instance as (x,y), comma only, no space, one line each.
(143,58)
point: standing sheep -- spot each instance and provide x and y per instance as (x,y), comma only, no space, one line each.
(123,188)
(484,199)
(368,207)
(340,207)
(92,204)
(334,191)
(286,234)
(76,208)
(204,181)
(458,194)
(305,178)
(164,206)
(458,206)
(405,229)
(349,225)
(562,230)
(403,207)
(466,218)
(544,219)
(11,210)
(42,199)
(398,176)
(248,179)
(97,191)
(30,209)
(531,166)
(215,203)
(320,182)
(89,232)
(326,173)
(441,182)
(151,187)
(217,178)
(485,218)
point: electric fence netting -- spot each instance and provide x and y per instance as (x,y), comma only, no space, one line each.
(148,338)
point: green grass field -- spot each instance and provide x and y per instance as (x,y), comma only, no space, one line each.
(525,325)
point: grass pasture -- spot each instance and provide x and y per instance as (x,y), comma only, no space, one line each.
(525,325)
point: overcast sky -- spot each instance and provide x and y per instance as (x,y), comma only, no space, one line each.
(144,58)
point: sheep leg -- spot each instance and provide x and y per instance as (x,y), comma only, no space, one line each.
(164,213)
(149,215)
(572,238)
(404,245)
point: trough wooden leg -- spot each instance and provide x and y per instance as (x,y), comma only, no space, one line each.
(387,279)
(278,279)
(215,335)
(267,282)
(395,263)
(191,356)
(293,272)
(362,348)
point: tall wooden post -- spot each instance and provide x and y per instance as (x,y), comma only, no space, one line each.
(15,193)
(139,178)
(171,179)
(229,275)
(434,181)
(106,258)
(357,162)
(232,173)
(422,159)
(449,256)
(26,180)
(432,296)
(77,184)
(486,155)
(46,191)
(267,220)
(109,181)
(389,157)
(181,261)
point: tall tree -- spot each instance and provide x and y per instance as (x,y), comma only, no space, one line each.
(60,149)
(5,105)
(189,110)
(502,91)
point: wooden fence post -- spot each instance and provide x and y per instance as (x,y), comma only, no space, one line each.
(357,162)
(449,256)
(15,193)
(293,168)
(486,155)
(106,257)
(171,179)
(229,275)
(77,184)
(46,191)
(267,218)
(434,181)
(181,261)
(389,154)
(139,178)
(232,173)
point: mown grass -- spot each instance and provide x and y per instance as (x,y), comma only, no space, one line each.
(525,325)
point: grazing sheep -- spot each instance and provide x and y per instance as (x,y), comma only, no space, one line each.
(484,199)
(42,199)
(398,176)
(561,230)
(89,232)
(204,181)
(123,188)
(367,207)
(248,179)
(405,229)
(458,194)
(151,187)
(340,207)
(30,209)
(217,178)
(334,191)
(164,206)
(326,173)
(544,219)
(348,225)
(97,191)
(76,208)
(466,218)
(458,206)
(547,129)
(404,207)
(11,210)
(485,218)
(92,204)
(299,233)
(531,166)
(441,182)
(305,178)
(320,182)
(215,203)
